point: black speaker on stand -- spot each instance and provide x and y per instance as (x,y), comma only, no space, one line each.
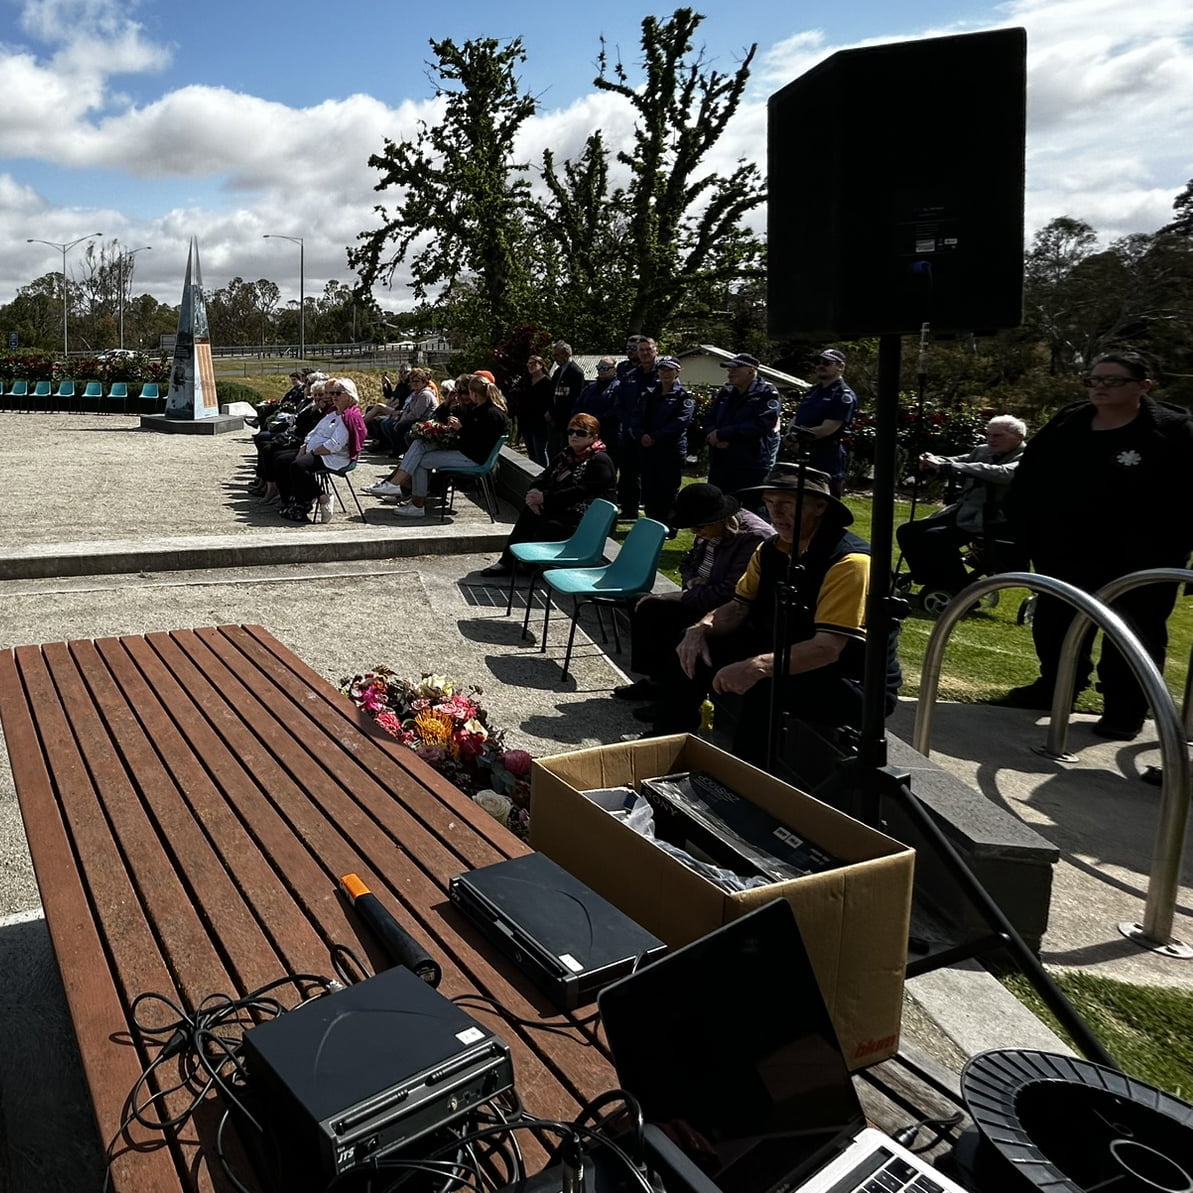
(895,200)
(896,190)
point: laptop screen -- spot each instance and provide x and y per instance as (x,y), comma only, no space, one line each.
(728,1045)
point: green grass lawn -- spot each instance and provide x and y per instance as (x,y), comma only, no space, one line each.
(1148,1030)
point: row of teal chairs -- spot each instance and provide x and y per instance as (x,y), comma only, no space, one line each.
(44,396)
(566,569)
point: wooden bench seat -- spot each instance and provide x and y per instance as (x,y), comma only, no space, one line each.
(190,800)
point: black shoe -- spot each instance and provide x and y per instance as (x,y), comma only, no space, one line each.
(496,569)
(1117,731)
(650,713)
(644,689)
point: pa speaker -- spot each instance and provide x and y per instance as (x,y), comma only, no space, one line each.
(896,189)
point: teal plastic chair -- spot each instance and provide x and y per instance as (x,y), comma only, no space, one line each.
(20,389)
(328,485)
(118,393)
(92,392)
(585,548)
(483,472)
(631,574)
(42,390)
(65,394)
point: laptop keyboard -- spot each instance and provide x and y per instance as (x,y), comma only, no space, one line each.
(884,1173)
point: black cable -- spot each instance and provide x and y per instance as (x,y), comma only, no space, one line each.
(341,953)
(940,1127)
(561,1025)
(206,1043)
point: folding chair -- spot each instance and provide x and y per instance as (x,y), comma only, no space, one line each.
(484,472)
(631,574)
(583,549)
(328,486)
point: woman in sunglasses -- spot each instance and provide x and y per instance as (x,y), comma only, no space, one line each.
(557,499)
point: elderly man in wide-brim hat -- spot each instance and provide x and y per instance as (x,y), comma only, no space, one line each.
(730,650)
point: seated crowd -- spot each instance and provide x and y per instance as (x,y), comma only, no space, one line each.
(624,437)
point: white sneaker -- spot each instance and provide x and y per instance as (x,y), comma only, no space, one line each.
(411,511)
(385,489)
(327,509)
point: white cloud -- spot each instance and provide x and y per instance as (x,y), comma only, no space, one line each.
(1110,107)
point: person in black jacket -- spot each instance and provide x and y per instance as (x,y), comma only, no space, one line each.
(659,430)
(567,382)
(557,499)
(1102,491)
(726,537)
(532,405)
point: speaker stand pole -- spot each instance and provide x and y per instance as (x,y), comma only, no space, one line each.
(869,775)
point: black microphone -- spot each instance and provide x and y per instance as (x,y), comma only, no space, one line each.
(402,948)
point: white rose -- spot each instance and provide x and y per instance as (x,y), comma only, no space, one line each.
(498,806)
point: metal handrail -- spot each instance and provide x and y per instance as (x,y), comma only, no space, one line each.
(1164,878)
(1066,677)
(1163,881)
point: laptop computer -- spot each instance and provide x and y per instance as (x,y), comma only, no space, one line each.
(561,933)
(729,1047)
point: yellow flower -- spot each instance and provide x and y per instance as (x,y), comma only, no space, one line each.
(434,728)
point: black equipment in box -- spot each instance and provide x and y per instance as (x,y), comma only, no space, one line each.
(560,933)
(349,1077)
(702,815)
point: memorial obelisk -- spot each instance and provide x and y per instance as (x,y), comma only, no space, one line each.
(191,403)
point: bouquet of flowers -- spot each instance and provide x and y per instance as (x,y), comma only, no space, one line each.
(435,434)
(450,730)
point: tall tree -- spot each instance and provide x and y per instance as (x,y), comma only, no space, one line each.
(462,197)
(1183,206)
(681,213)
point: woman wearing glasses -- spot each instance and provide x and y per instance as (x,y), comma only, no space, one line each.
(1102,491)
(557,499)
(478,422)
(332,445)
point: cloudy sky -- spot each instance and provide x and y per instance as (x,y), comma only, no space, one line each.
(154,120)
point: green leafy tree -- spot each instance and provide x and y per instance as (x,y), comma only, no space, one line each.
(1182,205)
(462,197)
(36,313)
(681,215)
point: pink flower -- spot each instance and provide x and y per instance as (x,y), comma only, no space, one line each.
(469,744)
(517,762)
(432,754)
(372,698)
(389,723)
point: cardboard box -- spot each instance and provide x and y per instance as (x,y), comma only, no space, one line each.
(854,919)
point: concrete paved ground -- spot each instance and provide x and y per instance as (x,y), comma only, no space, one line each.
(121,507)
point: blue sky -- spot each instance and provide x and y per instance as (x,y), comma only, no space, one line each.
(152,120)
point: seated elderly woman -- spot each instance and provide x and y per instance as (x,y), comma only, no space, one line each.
(557,498)
(277,448)
(726,537)
(333,444)
(481,421)
(420,404)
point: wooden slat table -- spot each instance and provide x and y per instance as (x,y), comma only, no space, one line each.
(190,800)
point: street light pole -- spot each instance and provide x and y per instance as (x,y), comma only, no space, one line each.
(302,306)
(64,249)
(131,255)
